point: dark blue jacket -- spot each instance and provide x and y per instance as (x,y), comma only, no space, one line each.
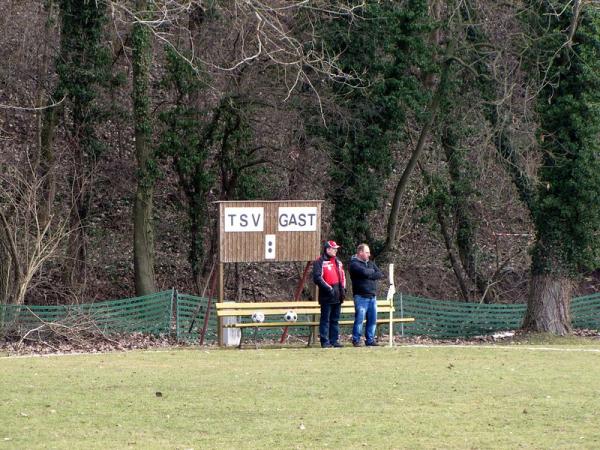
(364,276)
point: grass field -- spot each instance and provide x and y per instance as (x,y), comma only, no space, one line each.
(519,396)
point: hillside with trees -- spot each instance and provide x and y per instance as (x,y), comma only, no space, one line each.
(460,139)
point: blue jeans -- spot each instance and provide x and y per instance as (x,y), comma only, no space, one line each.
(364,306)
(329,325)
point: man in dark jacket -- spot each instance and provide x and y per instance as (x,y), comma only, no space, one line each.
(328,274)
(364,275)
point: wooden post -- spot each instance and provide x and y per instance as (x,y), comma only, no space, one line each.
(211,294)
(221,295)
(297,294)
(391,326)
(315,329)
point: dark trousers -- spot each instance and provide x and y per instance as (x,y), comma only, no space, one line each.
(329,325)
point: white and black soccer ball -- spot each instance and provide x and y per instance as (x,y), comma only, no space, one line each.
(258,317)
(290,316)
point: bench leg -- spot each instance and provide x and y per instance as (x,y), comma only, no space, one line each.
(241,337)
(255,335)
(314,332)
(391,329)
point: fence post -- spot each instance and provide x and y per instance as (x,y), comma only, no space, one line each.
(3,312)
(174,309)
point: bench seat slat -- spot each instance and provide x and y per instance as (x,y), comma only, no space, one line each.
(282,311)
(229,309)
(266,306)
(266,312)
(307,324)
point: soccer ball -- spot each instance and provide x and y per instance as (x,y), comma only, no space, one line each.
(258,317)
(290,316)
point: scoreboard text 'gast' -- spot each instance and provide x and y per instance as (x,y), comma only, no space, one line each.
(297,218)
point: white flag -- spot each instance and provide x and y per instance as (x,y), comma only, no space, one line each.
(392,288)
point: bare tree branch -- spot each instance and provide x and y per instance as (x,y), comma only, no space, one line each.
(37,108)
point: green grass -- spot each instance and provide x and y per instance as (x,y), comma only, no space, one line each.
(552,339)
(517,396)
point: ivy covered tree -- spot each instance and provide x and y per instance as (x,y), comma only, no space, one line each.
(83,68)
(143,228)
(565,57)
(211,149)
(186,139)
(472,97)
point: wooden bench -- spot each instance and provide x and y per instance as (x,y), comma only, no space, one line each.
(244,310)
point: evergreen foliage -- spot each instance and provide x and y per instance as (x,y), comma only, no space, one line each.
(185,140)
(210,148)
(387,49)
(243,173)
(453,192)
(567,210)
(142,57)
(82,66)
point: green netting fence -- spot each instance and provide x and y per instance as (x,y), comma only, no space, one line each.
(191,314)
(449,319)
(148,314)
(189,317)
(585,312)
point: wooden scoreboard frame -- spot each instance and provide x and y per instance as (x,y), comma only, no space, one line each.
(267,231)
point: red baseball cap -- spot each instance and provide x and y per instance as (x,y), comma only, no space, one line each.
(331,244)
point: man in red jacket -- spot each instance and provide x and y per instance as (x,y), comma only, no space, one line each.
(328,274)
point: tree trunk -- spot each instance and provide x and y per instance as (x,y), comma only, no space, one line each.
(392,226)
(76,247)
(143,246)
(511,158)
(9,276)
(10,269)
(49,121)
(548,306)
(453,261)
(566,214)
(463,191)
(143,232)
(6,282)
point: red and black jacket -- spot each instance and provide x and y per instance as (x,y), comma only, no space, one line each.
(328,274)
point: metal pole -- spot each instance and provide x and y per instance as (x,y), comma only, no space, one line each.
(390,299)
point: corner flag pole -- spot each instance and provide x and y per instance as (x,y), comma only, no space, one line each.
(390,298)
